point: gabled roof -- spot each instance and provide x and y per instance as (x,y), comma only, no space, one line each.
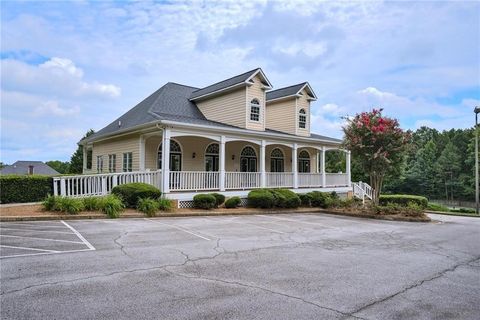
(242,79)
(22,167)
(291,91)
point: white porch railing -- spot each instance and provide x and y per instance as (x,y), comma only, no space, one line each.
(193,180)
(242,180)
(362,190)
(279,179)
(336,179)
(309,179)
(101,184)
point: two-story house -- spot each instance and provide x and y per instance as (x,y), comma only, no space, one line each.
(230,137)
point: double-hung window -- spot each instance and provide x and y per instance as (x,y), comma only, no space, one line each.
(254,110)
(99,164)
(127,162)
(302,119)
(112,162)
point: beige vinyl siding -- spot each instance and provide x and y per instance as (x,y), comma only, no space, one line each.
(302,102)
(117,146)
(151,150)
(256,91)
(281,115)
(227,108)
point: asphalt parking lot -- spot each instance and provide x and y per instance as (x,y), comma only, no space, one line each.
(298,266)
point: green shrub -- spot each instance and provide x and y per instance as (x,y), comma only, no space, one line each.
(111,205)
(285,198)
(261,198)
(148,206)
(233,202)
(346,203)
(50,203)
(20,189)
(320,199)
(165,204)
(91,203)
(69,205)
(411,209)
(305,199)
(131,192)
(436,207)
(219,198)
(204,201)
(403,200)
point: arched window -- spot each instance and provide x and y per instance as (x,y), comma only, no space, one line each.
(302,119)
(211,157)
(175,156)
(277,162)
(248,160)
(255,110)
(303,161)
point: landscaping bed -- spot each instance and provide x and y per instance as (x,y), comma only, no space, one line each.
(141,200)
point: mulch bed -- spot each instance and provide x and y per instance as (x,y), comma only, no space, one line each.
(36,212)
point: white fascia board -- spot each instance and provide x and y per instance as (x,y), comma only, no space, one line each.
(264,77)
(311,90)
(283,98)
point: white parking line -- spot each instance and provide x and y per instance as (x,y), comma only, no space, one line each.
(292,220)
(25,248)
(43,253)
(33,230)
(179,228)
(79,236)
(35,238)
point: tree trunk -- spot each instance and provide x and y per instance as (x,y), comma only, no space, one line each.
(376,181)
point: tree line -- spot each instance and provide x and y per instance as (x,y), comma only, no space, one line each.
(438,165)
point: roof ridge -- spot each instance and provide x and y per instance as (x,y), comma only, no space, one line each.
(183,85)
(238,75)
(293,85)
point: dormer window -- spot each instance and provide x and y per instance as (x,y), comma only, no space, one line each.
(302,119)
(254,110)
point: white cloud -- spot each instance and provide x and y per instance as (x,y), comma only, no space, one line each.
(53,108)
(56,76)
(308,48)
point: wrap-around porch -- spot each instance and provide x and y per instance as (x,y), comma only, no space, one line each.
(179,161)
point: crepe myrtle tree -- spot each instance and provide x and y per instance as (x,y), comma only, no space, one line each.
(378,144)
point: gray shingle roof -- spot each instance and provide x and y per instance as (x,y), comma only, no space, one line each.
(312,135)
(22,167)
(223,84)
(171,102)
(284,92)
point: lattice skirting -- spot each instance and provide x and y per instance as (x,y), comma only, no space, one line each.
(189,203)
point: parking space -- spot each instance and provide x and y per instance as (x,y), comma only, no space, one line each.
(22,239)
(275,266)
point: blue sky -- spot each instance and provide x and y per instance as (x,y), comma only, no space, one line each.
(70,66)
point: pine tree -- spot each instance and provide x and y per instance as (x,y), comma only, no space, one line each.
(76,161)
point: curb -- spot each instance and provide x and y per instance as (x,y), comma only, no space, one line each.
(455,214)
(207,213)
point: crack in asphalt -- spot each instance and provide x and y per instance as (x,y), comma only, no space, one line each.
(122,247)
(415,285)
(251,286)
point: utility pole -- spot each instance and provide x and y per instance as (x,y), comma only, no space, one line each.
(477,111)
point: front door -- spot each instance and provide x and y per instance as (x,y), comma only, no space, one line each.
(276,165)
(211,163)
(248,164)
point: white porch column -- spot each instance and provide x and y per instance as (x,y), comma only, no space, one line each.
(318,162)
(263,176)
(222,163)
(166,160)
(324,176)
(348,162)
(295,166)
(85,151)
(141,150)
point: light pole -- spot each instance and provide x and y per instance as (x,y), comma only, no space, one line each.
(477,111)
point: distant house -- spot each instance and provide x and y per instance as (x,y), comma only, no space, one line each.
(29,167)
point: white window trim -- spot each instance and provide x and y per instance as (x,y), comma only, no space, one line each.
(260,111)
